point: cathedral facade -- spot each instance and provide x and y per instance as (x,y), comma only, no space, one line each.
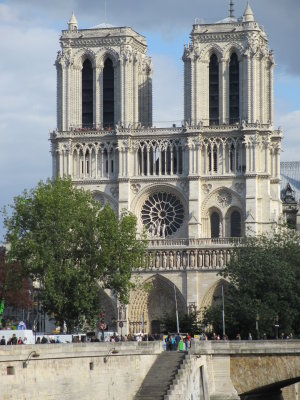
(195,189)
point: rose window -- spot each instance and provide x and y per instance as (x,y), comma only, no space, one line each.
(162,214)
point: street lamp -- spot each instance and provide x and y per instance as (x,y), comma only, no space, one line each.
(276,327)
(256,326)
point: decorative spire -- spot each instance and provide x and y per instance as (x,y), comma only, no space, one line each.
(73,24)
(248,14)
(231,9)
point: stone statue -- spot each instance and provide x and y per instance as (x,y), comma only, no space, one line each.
(221,260)
(171,262)
(192,260)
(164,260)
(206,260)
(157,261)
(228,257)
(199,259)
(178,261)
(184,260)
(214,259)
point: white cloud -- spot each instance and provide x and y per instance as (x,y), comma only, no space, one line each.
(167,91)
(27,98)
(290,123)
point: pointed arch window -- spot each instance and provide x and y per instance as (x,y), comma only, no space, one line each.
(236,224)
(213,90)
(215,225)
(108,94)
(87,94)
(234,89)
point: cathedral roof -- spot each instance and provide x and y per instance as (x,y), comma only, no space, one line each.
(228,20)
(290,174)
(103,26)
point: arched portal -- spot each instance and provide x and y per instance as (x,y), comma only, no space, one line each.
(213,294)
(150,303)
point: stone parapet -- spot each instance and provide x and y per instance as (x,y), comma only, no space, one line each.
(183,256)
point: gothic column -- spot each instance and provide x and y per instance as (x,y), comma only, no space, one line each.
(271,94)
(98,95)
(224,82)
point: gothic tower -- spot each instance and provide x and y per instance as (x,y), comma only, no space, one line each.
(103,78)
(228,94)
(195,189)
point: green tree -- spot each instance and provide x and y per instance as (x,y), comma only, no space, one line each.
(264,285)
(188,323)
(15,290)
(70,246)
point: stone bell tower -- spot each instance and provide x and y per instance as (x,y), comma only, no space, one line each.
(228,95)
(228,73)
(104,78)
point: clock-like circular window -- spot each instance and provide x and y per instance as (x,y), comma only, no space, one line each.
(162,214)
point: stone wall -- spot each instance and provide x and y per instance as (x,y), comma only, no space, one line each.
(75,371)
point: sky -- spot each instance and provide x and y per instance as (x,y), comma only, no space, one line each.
(30,31)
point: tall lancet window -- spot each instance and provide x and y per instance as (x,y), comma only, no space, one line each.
(108,94)
(87,94)
(234,89)
(213,90)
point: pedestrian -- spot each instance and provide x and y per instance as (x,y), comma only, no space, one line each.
(168,343)
(173,342)
(249,336)
(44,340)
(14,339)
(2,341)
(20,341)
(177,341)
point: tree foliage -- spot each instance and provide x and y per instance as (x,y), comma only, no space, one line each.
(264,285)
(70,245)
(188,323)
(15,289)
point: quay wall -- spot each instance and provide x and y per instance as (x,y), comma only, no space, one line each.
(75,371)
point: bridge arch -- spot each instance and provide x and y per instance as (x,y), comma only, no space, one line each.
(267,374)
(151,301)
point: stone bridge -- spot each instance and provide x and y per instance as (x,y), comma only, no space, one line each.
(242,369)
(121,371)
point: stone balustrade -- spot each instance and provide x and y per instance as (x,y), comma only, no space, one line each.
(194,258)
(189,254)
(200,242)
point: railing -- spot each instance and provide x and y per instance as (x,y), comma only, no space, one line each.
(77,130)
(193,258)
(202,242)
(189,254)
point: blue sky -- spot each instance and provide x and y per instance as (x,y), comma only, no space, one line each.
(30,33)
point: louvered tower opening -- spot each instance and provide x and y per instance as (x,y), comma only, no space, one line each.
(108,94)
(236,224)
(213,90)
(87,94)
(215,225)
(234,89)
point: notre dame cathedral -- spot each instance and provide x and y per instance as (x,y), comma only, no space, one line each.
(196,188)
